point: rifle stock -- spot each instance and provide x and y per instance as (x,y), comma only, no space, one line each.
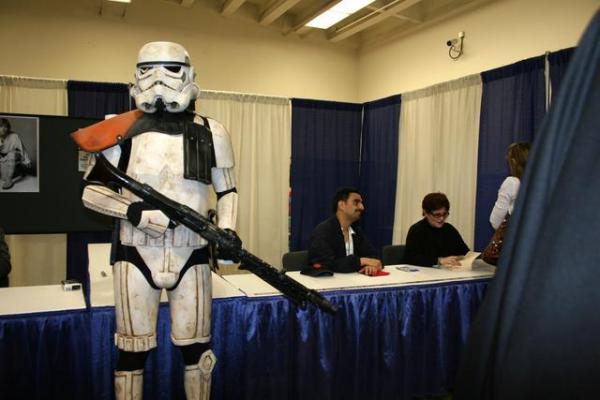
(105,173)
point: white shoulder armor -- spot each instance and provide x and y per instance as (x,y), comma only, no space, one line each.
(222,142)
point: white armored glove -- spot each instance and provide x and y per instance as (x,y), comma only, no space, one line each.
(148,219)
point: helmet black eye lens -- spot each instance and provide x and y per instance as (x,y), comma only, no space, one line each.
(173,68)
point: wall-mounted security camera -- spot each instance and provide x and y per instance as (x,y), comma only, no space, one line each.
(455,46)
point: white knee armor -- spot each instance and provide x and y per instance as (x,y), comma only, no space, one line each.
(197,378)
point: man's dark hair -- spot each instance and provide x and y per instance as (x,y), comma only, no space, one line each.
(342,194)
(435,201)
(6,123)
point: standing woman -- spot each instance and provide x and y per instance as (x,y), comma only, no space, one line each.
(507,194)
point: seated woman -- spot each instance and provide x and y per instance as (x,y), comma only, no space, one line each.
(432,241)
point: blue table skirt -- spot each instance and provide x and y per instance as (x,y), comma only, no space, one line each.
(45,355)
(391,343)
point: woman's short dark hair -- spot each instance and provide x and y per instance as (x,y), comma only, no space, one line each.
(342,194)
(435,201)
(517,155)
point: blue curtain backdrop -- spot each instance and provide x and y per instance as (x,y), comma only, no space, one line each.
(325,156)
(559,61)
(378,167)
(512,108)
(91,100)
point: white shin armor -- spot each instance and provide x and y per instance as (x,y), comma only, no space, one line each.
(197,379)
(129,385)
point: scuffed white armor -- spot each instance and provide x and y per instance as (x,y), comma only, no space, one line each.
(157,160)
(129,385)
(164,75)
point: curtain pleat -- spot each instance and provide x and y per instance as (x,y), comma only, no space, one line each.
(512,108)
(378,167)
(326,139)
(558,62)
(439,129)
(260,129)
(45,356)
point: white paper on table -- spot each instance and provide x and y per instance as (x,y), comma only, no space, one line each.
(467,260)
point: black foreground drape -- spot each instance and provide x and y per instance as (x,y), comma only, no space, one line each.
(537,334)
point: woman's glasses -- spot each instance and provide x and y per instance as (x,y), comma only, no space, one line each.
(439,215)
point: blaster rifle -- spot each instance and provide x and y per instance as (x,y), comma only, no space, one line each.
(105,173)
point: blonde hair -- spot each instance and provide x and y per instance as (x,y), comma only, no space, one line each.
(517,158)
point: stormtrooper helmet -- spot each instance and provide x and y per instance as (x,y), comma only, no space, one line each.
(164,78)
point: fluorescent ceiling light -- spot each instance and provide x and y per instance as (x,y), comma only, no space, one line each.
(121,1)
(337,13)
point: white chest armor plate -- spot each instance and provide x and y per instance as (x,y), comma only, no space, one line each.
(157,160)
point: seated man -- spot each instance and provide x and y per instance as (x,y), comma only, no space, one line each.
(14,160)
(338,244)
(432,241)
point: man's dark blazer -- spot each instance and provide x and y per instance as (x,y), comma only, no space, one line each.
(327,247)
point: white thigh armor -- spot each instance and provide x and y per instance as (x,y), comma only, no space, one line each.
(136,308)
(191,307)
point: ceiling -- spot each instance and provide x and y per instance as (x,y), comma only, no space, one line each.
(381,21)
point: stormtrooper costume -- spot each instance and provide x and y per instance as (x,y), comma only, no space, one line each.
(180,154)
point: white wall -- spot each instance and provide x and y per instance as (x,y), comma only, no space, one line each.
(498,33)
(67,39)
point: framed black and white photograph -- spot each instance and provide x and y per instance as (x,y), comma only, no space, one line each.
(19,154)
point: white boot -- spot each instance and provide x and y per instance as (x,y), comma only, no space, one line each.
(129,385)
(197,377)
